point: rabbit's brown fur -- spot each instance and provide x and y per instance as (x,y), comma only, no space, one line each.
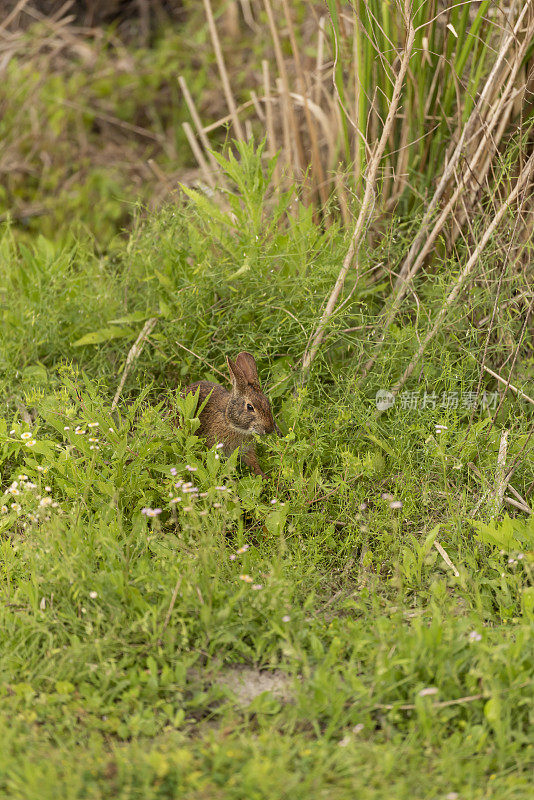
(233,418)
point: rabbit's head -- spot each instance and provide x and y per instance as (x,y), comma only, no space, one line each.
(248,410)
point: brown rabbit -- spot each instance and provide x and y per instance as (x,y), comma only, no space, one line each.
(232,418)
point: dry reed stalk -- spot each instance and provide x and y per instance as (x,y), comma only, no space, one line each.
(271,136)
(198,124)
(429,228)
(499,115)
(257,107)
(507,383)
(500,477)
(341,193)
(316,93)
(517,504)
(521,184)
(248,16)
(204,361)
(286,133)
(367,201)
(134,353)
(518,497)
(199,155)
(289,111)
(212,126)
(323,120)
(443,553)
(13,14)
(230,100)
(316,164)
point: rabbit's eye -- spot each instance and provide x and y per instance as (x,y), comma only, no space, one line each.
(250,407)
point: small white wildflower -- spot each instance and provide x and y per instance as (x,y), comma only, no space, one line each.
(219,445)
(93,595)
(243,549)
(217,505)
(41,469)
(203,494)
(30,443)
(12,432)
(190,468)
(187,485)
(173,470)
(14,492)
(4,510)
(474,636)
(257,586)
(15,507)
(245,578)
(273,501)
(46,501)
(221,488)
(55,504)
(362,506)
(217,456)
(26,435)
(395,504)
(22,478)
(66,428)
(286,618)
(92,439)
(48,488)
(520,556)
(92,424)
(387,496)
(176,500)
(232,557)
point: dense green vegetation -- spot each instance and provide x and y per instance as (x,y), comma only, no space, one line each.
(360,624)
(402,677)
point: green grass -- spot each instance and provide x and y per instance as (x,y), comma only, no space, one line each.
(402,678)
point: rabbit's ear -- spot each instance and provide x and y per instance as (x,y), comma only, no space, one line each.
(247,365)
(237,377)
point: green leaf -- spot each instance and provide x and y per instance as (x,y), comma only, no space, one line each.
(104,335)
(275,521)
